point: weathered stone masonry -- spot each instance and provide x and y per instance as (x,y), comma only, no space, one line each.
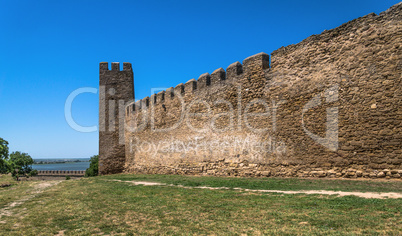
(329,106)
(116,88)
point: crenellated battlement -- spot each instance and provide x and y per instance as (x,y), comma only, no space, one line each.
(203,81)
(234,70)
(169,93)
(61,173)
(233,74)
(104,66)
(218,75)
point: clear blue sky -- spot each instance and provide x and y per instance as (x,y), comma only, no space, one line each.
(50,48)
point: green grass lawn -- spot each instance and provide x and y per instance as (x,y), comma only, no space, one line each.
(5,179)
(269,183)
(97,206)
(14,192)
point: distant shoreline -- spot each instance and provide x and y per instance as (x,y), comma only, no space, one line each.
(55,162)
(46,161)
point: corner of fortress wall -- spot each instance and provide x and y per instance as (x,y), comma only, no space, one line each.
(330,107)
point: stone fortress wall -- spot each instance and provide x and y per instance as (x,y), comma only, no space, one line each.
(329,106)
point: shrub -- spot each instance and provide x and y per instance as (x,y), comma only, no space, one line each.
(93,166)
(20,164)
(3,156)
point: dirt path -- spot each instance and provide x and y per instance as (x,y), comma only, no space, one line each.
(322,192)
(38,188)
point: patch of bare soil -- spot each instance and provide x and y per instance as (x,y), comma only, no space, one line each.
(39,187)
(320,192)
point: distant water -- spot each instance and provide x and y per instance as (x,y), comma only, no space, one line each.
(83,165)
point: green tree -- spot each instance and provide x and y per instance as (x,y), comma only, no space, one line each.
(20,164)
(93,166)
(3,156)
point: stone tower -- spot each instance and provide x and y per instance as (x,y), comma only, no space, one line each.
(116,89)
